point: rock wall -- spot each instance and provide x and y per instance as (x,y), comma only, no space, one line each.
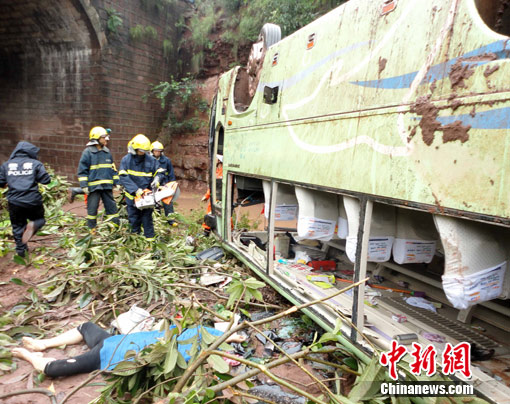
(189,151)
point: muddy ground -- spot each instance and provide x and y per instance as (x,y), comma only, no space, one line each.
(64,318)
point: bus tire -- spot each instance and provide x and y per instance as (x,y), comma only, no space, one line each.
(270,34)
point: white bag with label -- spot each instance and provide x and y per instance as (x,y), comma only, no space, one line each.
(318,214)
(382,230)
(416,237)
(343,224)
(479,287)
(286,203)
(475,261)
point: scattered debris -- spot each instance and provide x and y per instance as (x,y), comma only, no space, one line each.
(433,337)
(399,318)
(211,279)
(480,354)
(287,329)
(323,281)
(276,394)
(269,334)
(214,253)
(406,339)
(224,325)
(421,303)
(260,315)
(291,347)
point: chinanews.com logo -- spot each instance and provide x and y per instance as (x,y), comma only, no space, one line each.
(424,361)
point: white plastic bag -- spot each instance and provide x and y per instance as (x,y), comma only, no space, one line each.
(134,320)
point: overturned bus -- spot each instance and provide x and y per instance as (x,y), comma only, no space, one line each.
(375,142)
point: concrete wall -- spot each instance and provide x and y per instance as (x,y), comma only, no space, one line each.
(61,73)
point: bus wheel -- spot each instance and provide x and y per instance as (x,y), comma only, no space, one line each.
(270,34)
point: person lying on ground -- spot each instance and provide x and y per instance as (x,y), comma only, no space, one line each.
(106,350)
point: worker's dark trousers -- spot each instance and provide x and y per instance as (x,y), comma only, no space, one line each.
(110,207)
(140,217)
(19,219)
(168,210)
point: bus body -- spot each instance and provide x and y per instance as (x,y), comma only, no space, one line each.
(377,105)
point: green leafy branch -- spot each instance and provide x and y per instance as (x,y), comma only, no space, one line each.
(114,20)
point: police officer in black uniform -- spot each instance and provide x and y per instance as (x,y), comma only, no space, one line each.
(22,173)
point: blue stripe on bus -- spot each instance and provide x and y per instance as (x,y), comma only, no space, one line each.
(490,119)
(501,50)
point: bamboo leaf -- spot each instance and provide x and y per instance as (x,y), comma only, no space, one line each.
(132,382)
(85,300)
(19,260)
(55,292)
(125,368)
(257,294)
(365,388)
(181,362)
(252,283)
(328,336)
(207,337)
(171,357)
(218,363)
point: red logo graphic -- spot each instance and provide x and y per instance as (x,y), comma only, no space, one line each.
(423,359)
(457,359)
(391,358)
(454,359)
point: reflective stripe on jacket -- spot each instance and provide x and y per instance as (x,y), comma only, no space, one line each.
(137,172)
(96,169)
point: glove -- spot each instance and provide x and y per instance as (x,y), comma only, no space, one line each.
(139,192)
(155,183)
(86,190)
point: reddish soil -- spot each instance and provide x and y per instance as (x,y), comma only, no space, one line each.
(67,317)
(24,377)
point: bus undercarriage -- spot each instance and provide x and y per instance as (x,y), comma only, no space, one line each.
(263,229)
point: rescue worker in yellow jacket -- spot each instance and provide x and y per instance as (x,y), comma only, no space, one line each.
(97,176)
(138,172)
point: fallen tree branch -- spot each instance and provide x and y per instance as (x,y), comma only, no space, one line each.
(273,377)
(46,392)
(204,354)
(312,376)
(243,394)
(335,365)
(255,372)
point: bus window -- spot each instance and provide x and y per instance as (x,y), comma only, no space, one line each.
(217,176)
(248,77)
(495,14)
(248,224)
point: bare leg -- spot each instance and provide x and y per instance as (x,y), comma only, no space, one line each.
(68,338)
(36,359)
(235,338)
